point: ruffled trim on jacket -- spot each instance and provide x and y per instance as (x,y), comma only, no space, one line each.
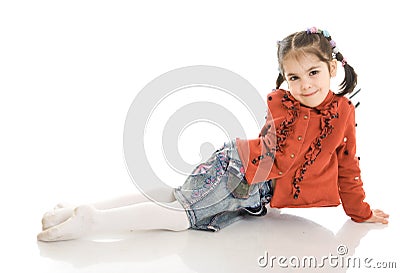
(328,112)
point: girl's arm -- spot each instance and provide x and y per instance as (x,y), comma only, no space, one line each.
(350,184)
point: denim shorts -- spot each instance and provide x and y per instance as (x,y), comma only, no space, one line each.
(217,194)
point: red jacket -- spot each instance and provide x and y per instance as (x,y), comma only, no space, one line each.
(310,152)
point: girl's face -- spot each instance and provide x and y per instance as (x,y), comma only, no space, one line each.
(308,78)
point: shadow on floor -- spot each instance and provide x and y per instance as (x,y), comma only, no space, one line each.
(246,246)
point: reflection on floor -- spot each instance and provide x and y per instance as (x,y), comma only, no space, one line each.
(278,242)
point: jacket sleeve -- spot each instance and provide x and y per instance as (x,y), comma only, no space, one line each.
(349,175)
(257,155)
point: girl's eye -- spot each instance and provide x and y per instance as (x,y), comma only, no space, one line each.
(293,78)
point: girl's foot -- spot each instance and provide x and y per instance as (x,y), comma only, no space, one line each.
(59,214)
(74,227)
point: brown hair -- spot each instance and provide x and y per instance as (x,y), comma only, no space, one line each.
(320,44)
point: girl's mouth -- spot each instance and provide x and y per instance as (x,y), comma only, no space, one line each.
(309,94)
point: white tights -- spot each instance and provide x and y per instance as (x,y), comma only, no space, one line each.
(126,213)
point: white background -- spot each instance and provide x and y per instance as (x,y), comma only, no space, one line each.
(69,71)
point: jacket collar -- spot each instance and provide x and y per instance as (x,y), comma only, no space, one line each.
(326,102)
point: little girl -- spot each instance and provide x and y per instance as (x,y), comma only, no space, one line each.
(305,156)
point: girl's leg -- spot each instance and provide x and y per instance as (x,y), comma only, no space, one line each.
(142,216)
(160,195)
(63,211)
(87,220)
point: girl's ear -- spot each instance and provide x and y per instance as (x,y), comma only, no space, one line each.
(333,68)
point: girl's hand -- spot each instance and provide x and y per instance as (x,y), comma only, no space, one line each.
(378,216)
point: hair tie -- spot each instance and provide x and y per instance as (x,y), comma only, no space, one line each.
(312,30)
(335,50)
(326,34)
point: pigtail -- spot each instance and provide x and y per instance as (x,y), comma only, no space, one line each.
(279,81)
(350,77)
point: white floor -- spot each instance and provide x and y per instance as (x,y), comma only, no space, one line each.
(293,234)
(238,248)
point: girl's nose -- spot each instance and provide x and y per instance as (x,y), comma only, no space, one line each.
(305,85)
